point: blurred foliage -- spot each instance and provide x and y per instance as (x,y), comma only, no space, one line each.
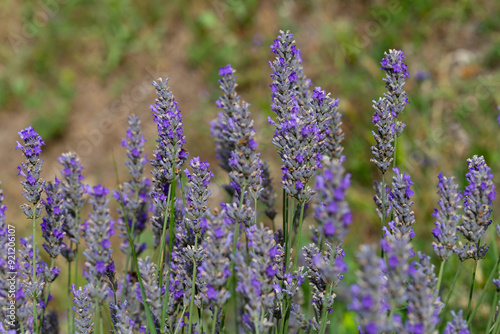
(452,49)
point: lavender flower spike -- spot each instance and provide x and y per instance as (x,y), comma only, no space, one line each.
(52,223)
(198,194)
(333,212)
(98,230)
(383,119)
(400,197)
(478,197)
(4,258)
(169,155)
(83,308)
(72,191)
(297,136)
(134,194)
(396,73)
(447,217)
(368,297)
(423,305)
(31,169)
(457,325)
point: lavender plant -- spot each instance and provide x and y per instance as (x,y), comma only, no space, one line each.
(211,279)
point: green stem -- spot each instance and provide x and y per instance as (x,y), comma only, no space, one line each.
(161,255)
(193,283)
(214,321)
(34,267)
(323,311)
(440,277)
(451,291)
(70,309)
(471,291)
(490,278)
(76,265)
(46,297)
(297,237)
(395,150)
(182,316)
(492,313)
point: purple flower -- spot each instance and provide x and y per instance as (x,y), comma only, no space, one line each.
(83,309)
(457,325)
(197,194)
(478,196)
(226,70)
(385,134)
(72,192)
(447,217)
(396,73)
(52,223)
(423,305)
(333,213)
(401,202)
(31,169)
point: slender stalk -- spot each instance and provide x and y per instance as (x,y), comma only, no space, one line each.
(101,327)
(34,267)
(440,277)
(193,283)
(214,321)
(161,255)
(490,278)
(297,237)
(324,309)
(46,297)
(70,309)
(182,316)
(493,311)
(76,265)
(451,290)
(395,150)
(471,291)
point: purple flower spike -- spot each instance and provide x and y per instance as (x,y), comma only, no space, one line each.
(400,197)
(297,132)
(134,194)
(169,155)
(72,191)
(385,135)
(396,73)
(478,196)
(197,194)
(52,223)
(31,147)
(447,217)
(457,325)
(368,295)
(99,226)
(84,310)
(423,305)
(333,213)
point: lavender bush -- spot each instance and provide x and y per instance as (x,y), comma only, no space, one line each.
(229,269)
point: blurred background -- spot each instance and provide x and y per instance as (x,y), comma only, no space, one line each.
(75,70)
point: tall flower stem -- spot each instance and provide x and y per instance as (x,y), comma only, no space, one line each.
(324,313)
(214,321)
(297,237)
(490,278)
(440,276)
(492,313)
(471,291)
(34,267)
(193,284)
(451,290)
(161,258)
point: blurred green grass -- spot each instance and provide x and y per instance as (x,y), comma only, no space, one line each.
(452,113)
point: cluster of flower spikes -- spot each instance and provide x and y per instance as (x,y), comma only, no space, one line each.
(72,191)
(169,155)
(447,217)
(84,317)
(297,136)
(258,280)
(98,229)
(236,148)
(31,169)
(133,195)
(424,306)
(478,196)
